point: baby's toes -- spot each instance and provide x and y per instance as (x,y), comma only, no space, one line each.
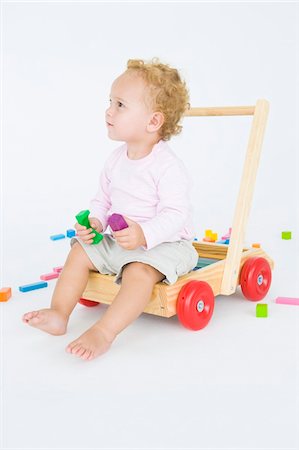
(86,355)
(73,347)
(36,318)
(80,352)
(28,316)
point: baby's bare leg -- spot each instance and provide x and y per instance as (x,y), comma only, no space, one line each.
(68,290)
(138,280)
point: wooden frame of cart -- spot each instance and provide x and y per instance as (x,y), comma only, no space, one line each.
(192,296)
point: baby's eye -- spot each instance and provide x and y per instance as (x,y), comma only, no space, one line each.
(120,104)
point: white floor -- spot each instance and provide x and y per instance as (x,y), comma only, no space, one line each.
(233,385)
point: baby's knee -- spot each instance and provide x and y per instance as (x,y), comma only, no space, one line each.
(78,254)
(76,249)
(143,271)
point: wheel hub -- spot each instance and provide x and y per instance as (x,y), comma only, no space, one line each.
(200,306)
(260,280)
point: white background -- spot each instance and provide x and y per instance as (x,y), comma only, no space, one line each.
(232,385)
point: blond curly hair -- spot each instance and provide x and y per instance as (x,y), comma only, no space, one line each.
(168,93)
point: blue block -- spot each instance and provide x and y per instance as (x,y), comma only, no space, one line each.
(55,237)
(222,241)
(33,286)
(70,232)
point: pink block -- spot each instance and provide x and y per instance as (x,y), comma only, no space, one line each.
(287,300)
(58,269)
(49,276)
(227,235)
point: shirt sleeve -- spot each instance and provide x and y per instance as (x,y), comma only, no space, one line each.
(173,207)
(101,203)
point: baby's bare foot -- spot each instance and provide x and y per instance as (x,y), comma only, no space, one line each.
(48,320)
(92,343)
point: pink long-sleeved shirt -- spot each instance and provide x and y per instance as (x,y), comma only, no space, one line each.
(154,191)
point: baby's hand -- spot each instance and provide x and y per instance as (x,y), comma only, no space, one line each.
(87,234)
(96,224)
(132,237)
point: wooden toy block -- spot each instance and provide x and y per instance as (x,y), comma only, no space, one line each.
(117,222)
(33,286)
(261,310)
(204,262)
(207,239)
(287,300)
(57,269)
(256,245)
(5,294)
(227,235)
(56,237)
(82,219)
(70,233)
(49,276)
(210,236)
(286,235)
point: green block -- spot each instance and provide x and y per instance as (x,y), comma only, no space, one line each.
(82,219)
(261,310)
(286,235)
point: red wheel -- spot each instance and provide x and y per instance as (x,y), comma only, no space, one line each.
(89,303)
(195,305)
(255,278)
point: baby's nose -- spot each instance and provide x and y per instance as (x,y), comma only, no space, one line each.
(109,111)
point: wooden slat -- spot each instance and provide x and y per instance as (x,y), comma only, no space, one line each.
(101,288)
(211,250)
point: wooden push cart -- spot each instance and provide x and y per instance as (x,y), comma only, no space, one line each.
(192,296)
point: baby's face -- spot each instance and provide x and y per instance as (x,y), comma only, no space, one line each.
(128,114)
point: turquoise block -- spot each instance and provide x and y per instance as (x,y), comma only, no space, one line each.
(33,286)
(55,237)
(70,233)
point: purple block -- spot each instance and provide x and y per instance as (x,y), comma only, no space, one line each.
(117,222)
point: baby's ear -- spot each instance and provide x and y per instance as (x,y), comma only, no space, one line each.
(156,122)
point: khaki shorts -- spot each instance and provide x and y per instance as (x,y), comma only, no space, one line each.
(172,259)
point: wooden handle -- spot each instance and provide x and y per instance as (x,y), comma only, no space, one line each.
(221,111)
(232,262)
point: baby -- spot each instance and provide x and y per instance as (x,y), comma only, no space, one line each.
(144,181)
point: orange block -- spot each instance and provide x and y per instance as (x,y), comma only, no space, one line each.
(5,294)
(256,245)
(208,239)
